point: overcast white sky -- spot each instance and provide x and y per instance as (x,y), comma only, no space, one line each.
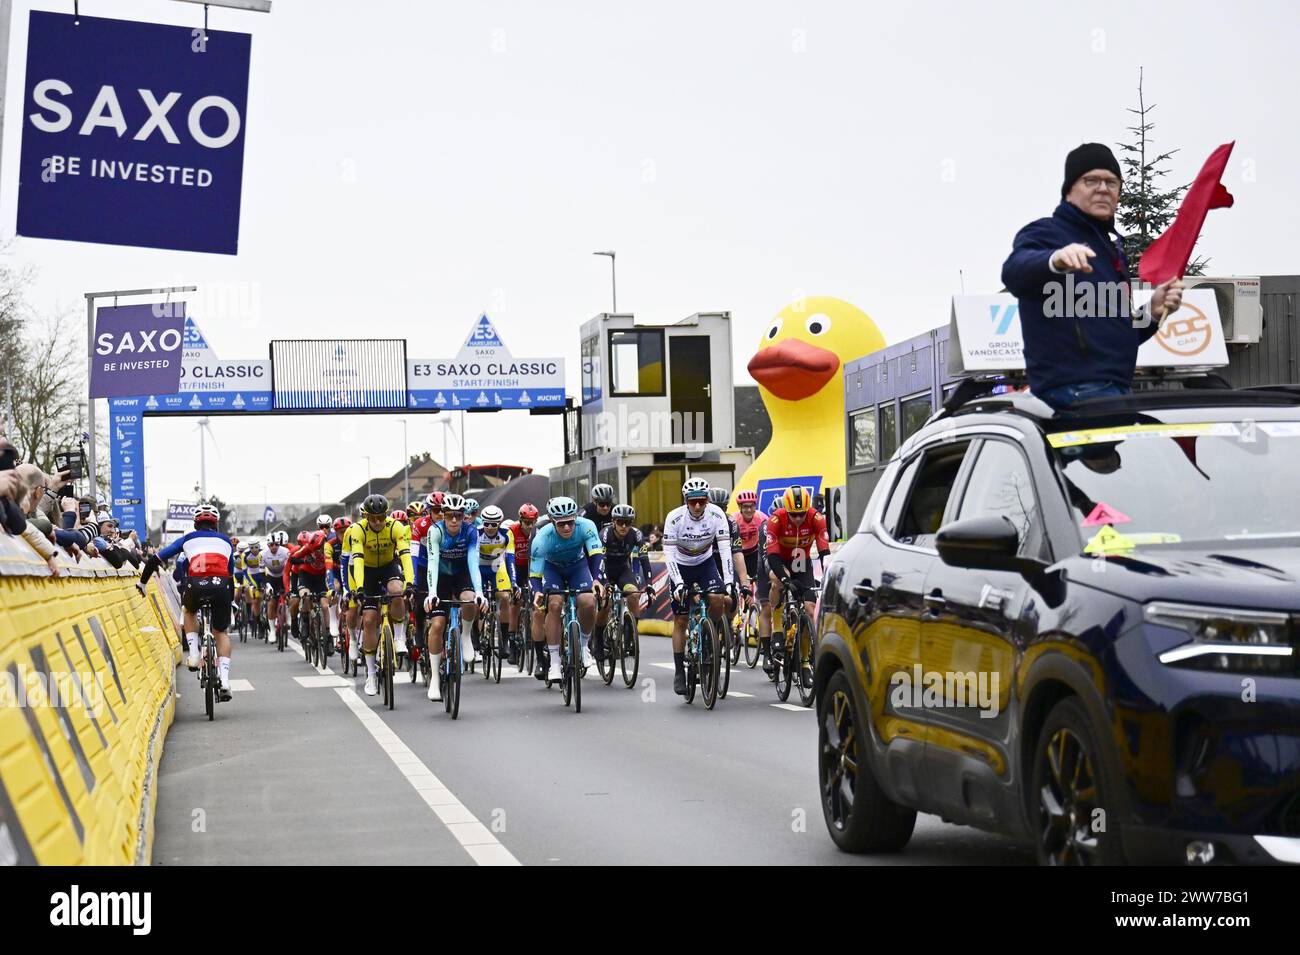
(412,164)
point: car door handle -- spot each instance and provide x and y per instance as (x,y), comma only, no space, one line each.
(864,591)
(934,601)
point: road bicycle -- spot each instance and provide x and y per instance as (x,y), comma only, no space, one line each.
(571,669)
(793,645)
(704,654)
(622,642)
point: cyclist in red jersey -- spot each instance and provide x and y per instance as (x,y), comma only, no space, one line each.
(308,563)
(523,530)
(792,532)
(750,523)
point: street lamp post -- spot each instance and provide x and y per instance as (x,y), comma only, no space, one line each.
(367,457)
(613,277)
(320,500)
(406,466)
(265,504)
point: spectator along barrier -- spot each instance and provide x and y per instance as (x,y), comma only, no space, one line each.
(87,680)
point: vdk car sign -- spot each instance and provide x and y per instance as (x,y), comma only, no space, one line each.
(133,133)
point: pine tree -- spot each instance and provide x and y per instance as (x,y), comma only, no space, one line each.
(1144,210)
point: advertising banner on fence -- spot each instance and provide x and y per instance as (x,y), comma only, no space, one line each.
(133,133)
(127,453)
(485,375)
(136,348)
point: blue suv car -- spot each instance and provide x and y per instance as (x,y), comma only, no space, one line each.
(1079,630)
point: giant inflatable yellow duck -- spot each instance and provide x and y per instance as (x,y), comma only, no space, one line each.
(799,368)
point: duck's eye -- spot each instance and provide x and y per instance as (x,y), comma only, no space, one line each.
(819,325)
(774,330)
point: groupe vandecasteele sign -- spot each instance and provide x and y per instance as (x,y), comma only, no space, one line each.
(133,133)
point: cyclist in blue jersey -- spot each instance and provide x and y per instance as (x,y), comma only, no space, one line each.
(566,554)
(451,549)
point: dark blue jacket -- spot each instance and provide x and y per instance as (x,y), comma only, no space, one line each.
(1099,346)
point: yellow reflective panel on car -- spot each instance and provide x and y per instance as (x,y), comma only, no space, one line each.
(1068,439)
(1109,541)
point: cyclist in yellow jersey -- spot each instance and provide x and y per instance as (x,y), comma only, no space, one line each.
(352,598)
(380,564)
(255,576)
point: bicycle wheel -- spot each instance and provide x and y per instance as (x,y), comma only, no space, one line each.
(390,666)
(209,678)
(578,670)
(612,640)
(724,664)
(631,650)
(710,652)
(784,664)
(452,690)
(735,627)
(749,637)
(804,658)
(568,660)
(525,638)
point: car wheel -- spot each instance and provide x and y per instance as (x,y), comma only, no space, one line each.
(859,816)
(1076,822)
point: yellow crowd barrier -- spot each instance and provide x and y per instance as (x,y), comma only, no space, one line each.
(87,692)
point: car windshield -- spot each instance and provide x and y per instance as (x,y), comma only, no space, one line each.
(1163,484)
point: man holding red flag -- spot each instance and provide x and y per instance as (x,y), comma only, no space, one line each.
(1071,277)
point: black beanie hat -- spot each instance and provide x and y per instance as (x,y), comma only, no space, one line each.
(1086,158)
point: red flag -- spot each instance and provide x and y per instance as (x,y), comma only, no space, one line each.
(1167,257)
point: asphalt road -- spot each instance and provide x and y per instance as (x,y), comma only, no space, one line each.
(320,773)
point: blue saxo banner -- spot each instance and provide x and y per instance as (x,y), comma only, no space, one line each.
(126,424)
(136,348)
(133,133)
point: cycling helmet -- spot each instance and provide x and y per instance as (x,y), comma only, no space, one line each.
(435,499)
(695,487)
(280,538)
(796,500)
(602,494)
(400,516)
(415,508)
(206,514)
(719,496)
(528,512)
(559,507)
(493,514)
(340,523)
(303,537)
(323,522)
(471,506)
(254,545)
(746,497)
(623,512)
(454,503)
(374,505)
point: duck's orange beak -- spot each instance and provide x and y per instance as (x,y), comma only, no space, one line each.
(793,369)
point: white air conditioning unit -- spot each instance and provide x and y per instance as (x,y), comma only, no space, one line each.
(1239,305)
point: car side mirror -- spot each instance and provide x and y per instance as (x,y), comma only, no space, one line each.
(980,543)
(993,543)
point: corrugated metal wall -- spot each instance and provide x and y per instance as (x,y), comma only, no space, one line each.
(1275,358)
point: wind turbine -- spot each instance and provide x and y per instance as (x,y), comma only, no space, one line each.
(205,424)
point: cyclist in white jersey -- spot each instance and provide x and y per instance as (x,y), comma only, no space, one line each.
(693,533)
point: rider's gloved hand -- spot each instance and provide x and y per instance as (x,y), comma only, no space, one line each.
(430,602)
(480,602)
(680,593)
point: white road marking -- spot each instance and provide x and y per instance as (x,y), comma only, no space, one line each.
(663,666)
(482,846)
(240,686)
(312,682)
(743,696)
(791,706)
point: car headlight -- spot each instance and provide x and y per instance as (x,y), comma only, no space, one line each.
(1257,641)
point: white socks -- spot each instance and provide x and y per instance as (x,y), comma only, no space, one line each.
(193,640)
(223,670)
(370,664)
(334,620)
